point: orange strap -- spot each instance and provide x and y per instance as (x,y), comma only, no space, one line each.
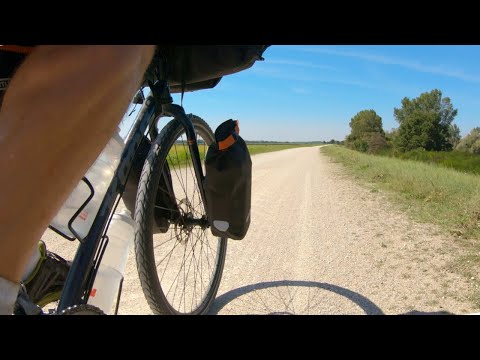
(19,49)
(230,140)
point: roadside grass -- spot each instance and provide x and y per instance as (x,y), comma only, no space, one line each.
(429,193)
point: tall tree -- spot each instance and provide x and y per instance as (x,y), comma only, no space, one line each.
(366,121)
(425,122)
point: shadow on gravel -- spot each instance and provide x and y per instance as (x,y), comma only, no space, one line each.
(289,297)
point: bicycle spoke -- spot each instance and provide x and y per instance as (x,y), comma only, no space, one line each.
(200,269)
(207,243)
(184,281)
(178,177)
(194,280)
(164,208)
(176,287)
(164,242)
(190,163)
(198,212)
(189,267)
(199,238)
(183,267)
(166,192)
(169,256)
(174,280)
(201,266)
(206,246)
(179,271)
(201,253)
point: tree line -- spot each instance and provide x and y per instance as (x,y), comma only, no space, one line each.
(425,122)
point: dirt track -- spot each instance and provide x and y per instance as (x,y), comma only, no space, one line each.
(321,244)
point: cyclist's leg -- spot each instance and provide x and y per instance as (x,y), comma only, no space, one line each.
(59,111)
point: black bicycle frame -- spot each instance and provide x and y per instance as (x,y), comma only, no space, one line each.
(83,270)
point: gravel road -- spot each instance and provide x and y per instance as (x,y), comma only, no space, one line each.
(319,243)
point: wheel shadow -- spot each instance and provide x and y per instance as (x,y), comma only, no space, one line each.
(285,293)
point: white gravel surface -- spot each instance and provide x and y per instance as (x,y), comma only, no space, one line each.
(319,243)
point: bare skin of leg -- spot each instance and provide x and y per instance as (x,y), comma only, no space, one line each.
(60,110)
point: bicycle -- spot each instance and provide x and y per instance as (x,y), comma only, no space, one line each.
(203,256)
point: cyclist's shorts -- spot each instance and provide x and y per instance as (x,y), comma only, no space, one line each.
(11,56)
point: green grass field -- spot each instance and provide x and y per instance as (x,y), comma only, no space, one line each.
(178,155)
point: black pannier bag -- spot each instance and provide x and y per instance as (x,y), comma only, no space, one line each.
(228,183)
(198,67)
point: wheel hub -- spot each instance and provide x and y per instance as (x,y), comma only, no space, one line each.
(183,229)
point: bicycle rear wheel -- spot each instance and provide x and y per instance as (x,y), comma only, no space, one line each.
(180,270)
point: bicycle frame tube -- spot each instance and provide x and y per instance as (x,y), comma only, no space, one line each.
(77,282)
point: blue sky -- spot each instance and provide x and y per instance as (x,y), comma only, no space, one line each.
(307,93)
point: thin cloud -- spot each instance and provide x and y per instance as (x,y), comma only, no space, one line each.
(386,60)
(281,74)
(300,63)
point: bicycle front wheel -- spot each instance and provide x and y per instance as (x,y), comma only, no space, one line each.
(180,268)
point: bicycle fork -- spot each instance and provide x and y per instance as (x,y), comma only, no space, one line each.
(178,113)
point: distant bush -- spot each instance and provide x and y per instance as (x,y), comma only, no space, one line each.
(471,142)
(376,142)
(367,133)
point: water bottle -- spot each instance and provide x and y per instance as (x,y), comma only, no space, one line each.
(100,176)
(110,273)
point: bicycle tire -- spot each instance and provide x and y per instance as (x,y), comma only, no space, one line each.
(155,286)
